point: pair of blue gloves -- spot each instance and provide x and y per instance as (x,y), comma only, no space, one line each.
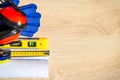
(33,19)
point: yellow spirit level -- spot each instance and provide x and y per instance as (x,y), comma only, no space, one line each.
(27,43)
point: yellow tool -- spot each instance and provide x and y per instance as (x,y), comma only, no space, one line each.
(24,48)
(29,53)
(27,43)
(6,55)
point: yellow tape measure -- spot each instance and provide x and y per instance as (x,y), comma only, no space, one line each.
(27,43)
(6,55)
(29,53)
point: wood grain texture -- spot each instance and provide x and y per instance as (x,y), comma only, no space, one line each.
(84,38)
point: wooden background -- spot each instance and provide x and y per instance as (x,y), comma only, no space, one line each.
(84,38)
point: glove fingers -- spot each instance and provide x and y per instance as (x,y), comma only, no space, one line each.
(34,20)
(35,15)
(24,33)
(33,24)
(28,9)
(32,29)
(28,6)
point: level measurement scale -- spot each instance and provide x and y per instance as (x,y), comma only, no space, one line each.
(29,53)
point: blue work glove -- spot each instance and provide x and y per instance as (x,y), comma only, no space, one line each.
(33,18)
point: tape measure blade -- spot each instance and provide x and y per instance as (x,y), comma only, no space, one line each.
(29,53)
